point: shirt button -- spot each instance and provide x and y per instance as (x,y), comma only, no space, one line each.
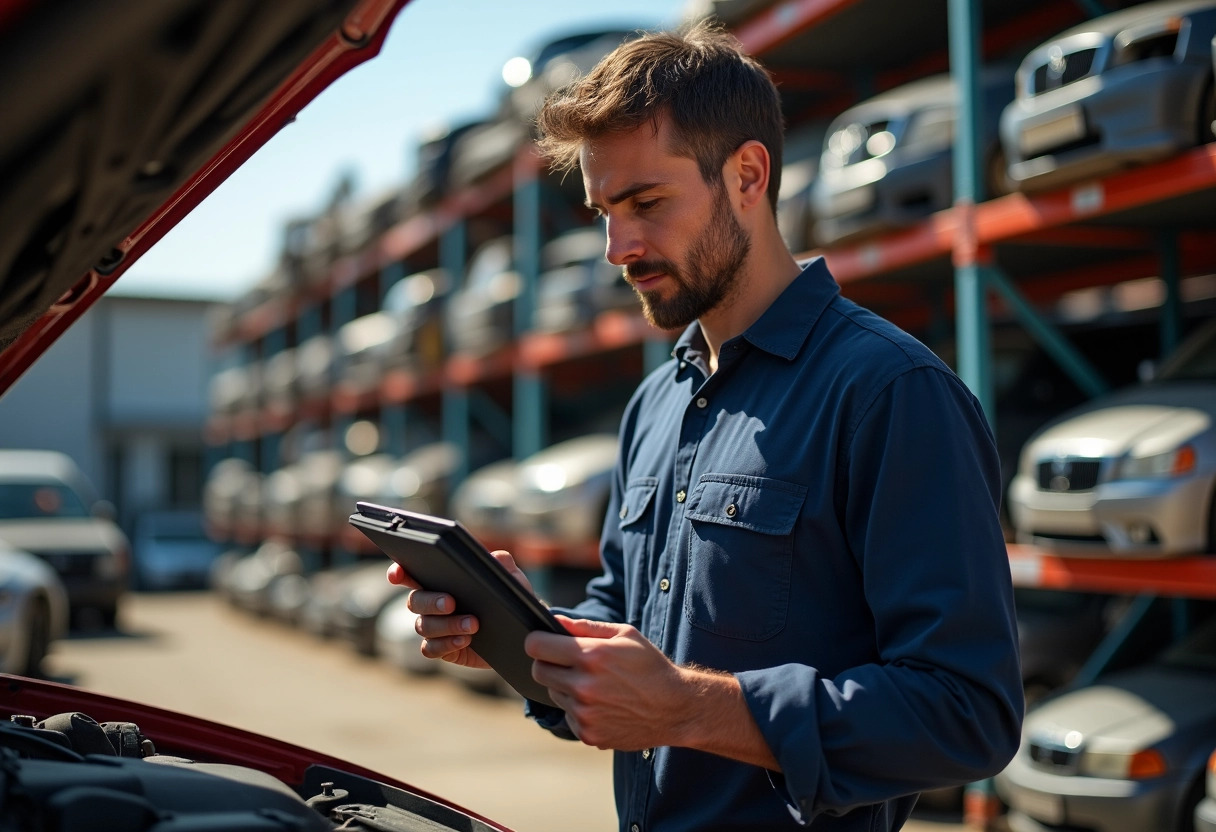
(664,585)
(646,754)
(624,512)
(730,510)
(635,828)
(683,364)
(681,496)
(702,402)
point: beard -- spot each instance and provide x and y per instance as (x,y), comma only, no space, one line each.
(707,277)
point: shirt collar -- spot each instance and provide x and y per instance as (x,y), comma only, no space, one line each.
(784,326)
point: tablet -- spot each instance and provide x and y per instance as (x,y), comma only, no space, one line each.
(442,555)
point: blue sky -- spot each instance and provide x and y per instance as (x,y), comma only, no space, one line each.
(441,63)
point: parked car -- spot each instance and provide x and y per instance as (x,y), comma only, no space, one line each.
(49,508)
(406,334)
(481,313)
(888,161)
(1126,754)
(226,485)
(1132,473)
(482,503)
(561,498)
(364,595)
(1205,812)
(170,550)
(33,611)
(577,283)
(1125,88)
(250,580)
(398,643)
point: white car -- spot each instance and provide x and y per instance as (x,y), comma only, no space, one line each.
(33,611)
(1129,474)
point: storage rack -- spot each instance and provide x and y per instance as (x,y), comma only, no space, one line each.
(980,259)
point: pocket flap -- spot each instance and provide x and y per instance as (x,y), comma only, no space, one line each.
(753,503)
(638,495)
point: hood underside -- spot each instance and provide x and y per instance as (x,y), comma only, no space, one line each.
(120,116)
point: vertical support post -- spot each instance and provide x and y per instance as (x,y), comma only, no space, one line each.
(1171,277)
(970,285)
(455,407)
(528,420)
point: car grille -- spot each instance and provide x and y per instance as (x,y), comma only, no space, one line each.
(71,564)
(1061,70)
(1068,474)
(1054,758)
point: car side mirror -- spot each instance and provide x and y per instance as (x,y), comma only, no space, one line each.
(104,510)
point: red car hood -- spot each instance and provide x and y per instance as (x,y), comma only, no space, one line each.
(191,737)
(120,116)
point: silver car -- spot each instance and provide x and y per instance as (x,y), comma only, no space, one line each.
(1132,473)
(1205,812)
(33,611)
(887,162)
(1126,754)
(48,508)
(1124,88)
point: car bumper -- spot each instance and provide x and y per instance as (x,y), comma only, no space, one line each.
(1097,125)
(1205,815)
(1107,519)
(1041,801)
(903,195)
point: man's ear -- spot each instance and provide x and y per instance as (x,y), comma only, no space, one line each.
(748,172)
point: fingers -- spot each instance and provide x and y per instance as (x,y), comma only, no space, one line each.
(511,566)
(397,575)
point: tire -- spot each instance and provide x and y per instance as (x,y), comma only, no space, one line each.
(1207,113)
(996,175)
(38,638)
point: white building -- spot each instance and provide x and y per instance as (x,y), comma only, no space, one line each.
(124,392)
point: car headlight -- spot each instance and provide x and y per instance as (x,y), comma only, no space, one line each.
(1135,765)
(1172,463)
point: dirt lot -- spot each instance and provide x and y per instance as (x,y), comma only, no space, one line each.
(191,653)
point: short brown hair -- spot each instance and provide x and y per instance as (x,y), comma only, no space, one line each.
(716,96)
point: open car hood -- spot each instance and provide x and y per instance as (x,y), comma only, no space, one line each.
(120,116)
(226,767)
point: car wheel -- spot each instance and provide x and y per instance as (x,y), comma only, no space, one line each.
(996,174)
(1207,113)
(38,638)
(109,617)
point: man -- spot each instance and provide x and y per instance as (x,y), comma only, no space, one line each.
(805,615)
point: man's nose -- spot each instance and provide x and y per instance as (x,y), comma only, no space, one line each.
(624,243)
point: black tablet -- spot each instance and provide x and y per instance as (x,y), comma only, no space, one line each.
(441,555)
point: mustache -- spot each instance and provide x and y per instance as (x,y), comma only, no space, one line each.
(645,268)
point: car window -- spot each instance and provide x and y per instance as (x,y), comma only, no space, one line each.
(27,500)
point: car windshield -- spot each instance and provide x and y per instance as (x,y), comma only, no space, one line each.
(28,500)
(1195,359)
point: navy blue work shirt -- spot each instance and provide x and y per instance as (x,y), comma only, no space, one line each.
(818,518)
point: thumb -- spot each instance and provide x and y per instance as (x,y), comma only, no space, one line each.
(592,629)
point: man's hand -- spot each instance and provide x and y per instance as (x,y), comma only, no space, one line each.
(446,636)
(620,692)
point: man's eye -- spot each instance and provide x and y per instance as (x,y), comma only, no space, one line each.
(645,205)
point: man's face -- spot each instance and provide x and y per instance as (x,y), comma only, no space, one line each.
(675,237)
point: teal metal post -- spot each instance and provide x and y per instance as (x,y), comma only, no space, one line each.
(455,417)
(971,311)
(1171,277)
(528,419)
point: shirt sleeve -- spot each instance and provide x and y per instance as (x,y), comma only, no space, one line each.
(918,488)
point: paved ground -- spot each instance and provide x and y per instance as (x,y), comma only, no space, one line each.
(190,653)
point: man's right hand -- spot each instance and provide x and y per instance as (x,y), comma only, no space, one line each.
(447,636)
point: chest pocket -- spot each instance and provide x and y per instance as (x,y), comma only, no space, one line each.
(636,523)
(740,553)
